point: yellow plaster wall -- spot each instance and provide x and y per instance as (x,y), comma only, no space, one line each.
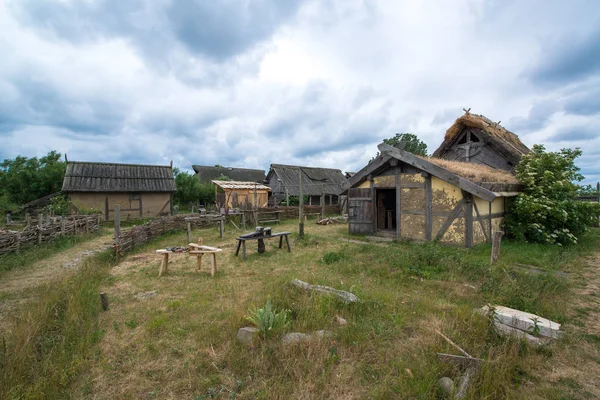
(152,203)
(483,206)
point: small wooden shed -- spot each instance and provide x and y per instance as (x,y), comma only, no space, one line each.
(232,194)
(140,190)
(408,196)
(474,138)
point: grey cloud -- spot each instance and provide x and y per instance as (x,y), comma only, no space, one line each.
(586,103)
(571,59)
(575,134)
(447,116)
(538,117)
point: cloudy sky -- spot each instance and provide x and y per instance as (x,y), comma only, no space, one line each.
(247,83)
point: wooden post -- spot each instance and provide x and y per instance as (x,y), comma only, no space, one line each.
(374,201)
(490,220)
(74,225)
(496,246)
(222,226)
(428,208)
(468,219)
(213,267)
(87,227)
(104,301)
(63,221)
(40,227)
(322,201)
(255,198)
(117,217)
(189,231)
(301,208)
(287,198)
(199,262)
(398,185)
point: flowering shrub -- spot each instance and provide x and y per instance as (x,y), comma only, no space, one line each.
(546,211)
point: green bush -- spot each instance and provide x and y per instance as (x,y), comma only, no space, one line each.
(546,211)
(60,205)
(332,257)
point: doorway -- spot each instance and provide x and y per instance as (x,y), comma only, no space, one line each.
(386,209)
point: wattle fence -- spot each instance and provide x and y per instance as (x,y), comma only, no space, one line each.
(43,230)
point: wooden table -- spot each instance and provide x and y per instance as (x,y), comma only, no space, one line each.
(195,250)
(242,241)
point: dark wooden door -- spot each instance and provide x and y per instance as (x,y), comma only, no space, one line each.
(360,210)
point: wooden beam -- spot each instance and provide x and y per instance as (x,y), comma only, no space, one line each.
(487,238)
(363,174)
(428,208)
(398,204)
(459,360)
(437,171)
(468,218)
(455,213)
(374,200)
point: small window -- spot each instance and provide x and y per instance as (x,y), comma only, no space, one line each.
(134,196)
(474,138)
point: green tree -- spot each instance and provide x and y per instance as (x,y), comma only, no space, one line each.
(25,179)
(191,190)
(546,211)
(412,144)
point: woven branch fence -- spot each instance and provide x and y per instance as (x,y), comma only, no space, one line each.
(142,234)
(42,230)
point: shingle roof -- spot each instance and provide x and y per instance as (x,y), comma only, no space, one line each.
(206,174)
(110,177)
(240,185)
(313,179)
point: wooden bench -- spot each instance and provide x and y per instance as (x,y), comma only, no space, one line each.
(306,215)
(242,241)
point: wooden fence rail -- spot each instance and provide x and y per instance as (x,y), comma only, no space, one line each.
(141,234)
(41,230)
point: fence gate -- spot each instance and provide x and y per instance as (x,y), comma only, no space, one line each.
(360,210)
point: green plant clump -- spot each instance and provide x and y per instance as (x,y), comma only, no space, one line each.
(267,319)
(546,211)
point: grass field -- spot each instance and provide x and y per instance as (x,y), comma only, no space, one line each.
(181,342)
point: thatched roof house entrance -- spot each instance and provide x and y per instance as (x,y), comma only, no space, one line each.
(474,138)
(140,190)
(422,198)
(246,195)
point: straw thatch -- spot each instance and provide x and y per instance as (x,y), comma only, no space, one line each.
(476,173)
(505,141)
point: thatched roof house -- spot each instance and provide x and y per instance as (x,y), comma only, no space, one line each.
(139,190)
(424,198)
(474,138)
(207,174)
(286,179)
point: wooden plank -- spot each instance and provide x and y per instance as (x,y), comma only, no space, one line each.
(437,171)
(374,202)
(524,321)
(487,238)
(459,360)
(490,219)
(455,213)
(398,204)
(380,162)
(496,246)
(428,208)
(468,219)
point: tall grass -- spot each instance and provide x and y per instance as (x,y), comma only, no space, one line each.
(51,340)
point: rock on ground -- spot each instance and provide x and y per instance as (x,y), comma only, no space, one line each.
(446,385)
(247,335)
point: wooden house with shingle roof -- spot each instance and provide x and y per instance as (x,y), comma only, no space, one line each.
(285,179)
(476,139)
(207,174)
(140,190)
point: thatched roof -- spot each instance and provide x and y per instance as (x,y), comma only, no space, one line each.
(111,177)
(476,173)
(207,174)
(233,185)
(314,179)
(505,141)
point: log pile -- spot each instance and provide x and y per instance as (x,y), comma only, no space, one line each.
(42,230)
(332,220)
(141,234)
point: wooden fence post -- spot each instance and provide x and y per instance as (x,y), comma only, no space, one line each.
(301,208)
(62,225)
(189,231)
(40,227)
(117,216)
(18,241)
(322,201)
(496,246)
(104,301)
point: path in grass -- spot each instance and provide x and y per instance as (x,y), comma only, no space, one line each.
(19,285)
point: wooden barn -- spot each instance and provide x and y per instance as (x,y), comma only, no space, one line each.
(476,139)
(207,174)
(236,194)
(140,190)
(407,196)
(284,180)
